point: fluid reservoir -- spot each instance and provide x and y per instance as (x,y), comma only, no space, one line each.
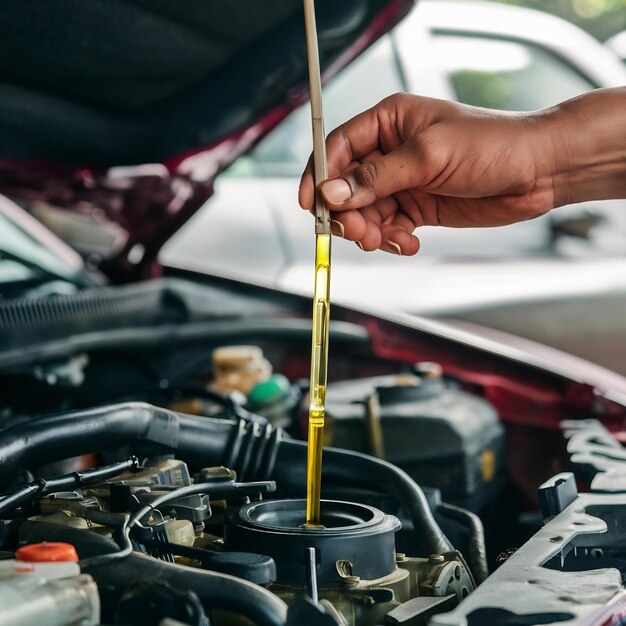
(239,368)
(424,423)
(43,586)
(276,399)
(48,559)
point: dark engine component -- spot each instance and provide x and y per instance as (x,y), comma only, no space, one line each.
(209,544)
(359,536)
(152,602)
(441,436)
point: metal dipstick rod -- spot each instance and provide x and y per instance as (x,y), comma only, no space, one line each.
(321,296)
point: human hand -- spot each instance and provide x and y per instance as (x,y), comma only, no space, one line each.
(411,161)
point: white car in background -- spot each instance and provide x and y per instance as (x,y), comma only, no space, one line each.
(481,53)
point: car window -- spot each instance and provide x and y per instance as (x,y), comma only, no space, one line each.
(361,85)
(506,74)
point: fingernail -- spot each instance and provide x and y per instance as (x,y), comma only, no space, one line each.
(395,246)
(337,191)
(337,228)
(358,243)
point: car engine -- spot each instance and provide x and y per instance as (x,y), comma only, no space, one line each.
(157,480)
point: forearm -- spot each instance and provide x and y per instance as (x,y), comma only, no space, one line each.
(589,139)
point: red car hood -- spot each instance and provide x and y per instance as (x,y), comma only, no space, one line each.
(129,110)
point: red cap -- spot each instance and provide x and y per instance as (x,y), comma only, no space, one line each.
(47,552)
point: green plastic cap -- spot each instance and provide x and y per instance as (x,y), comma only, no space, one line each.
(270,391)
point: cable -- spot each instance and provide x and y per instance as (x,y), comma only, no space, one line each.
(476,549)
(43,486)
(215,490)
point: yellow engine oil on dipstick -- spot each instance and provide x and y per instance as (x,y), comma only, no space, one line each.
(321,296)
(319,364)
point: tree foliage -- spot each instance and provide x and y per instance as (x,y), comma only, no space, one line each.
(601,18)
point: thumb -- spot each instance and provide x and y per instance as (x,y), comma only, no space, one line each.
(373,180)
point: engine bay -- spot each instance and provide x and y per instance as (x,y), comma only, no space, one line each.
(152,470)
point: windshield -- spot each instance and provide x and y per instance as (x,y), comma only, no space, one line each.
(29,254)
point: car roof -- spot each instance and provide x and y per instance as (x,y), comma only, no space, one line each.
(478,17)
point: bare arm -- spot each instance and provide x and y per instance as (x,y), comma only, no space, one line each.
(412,161)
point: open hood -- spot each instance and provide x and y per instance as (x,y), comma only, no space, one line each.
(131,108)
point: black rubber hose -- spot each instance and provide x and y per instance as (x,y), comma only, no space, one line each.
(51,438)
(476,548)
(215,590)
(55,437)
(18,497)
(362,470)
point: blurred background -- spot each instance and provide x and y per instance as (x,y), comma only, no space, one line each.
(600,18)
(559,280)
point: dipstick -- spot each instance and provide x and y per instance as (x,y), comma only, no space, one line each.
(321,296)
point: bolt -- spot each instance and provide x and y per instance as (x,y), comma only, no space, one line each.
(505,556)
(436,559)
(400,556)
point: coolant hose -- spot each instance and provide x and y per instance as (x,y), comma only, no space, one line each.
(476,548)
(215,590)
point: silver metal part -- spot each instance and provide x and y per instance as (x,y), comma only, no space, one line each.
(29,600)
(409,596)
(562,575)
(596,455)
